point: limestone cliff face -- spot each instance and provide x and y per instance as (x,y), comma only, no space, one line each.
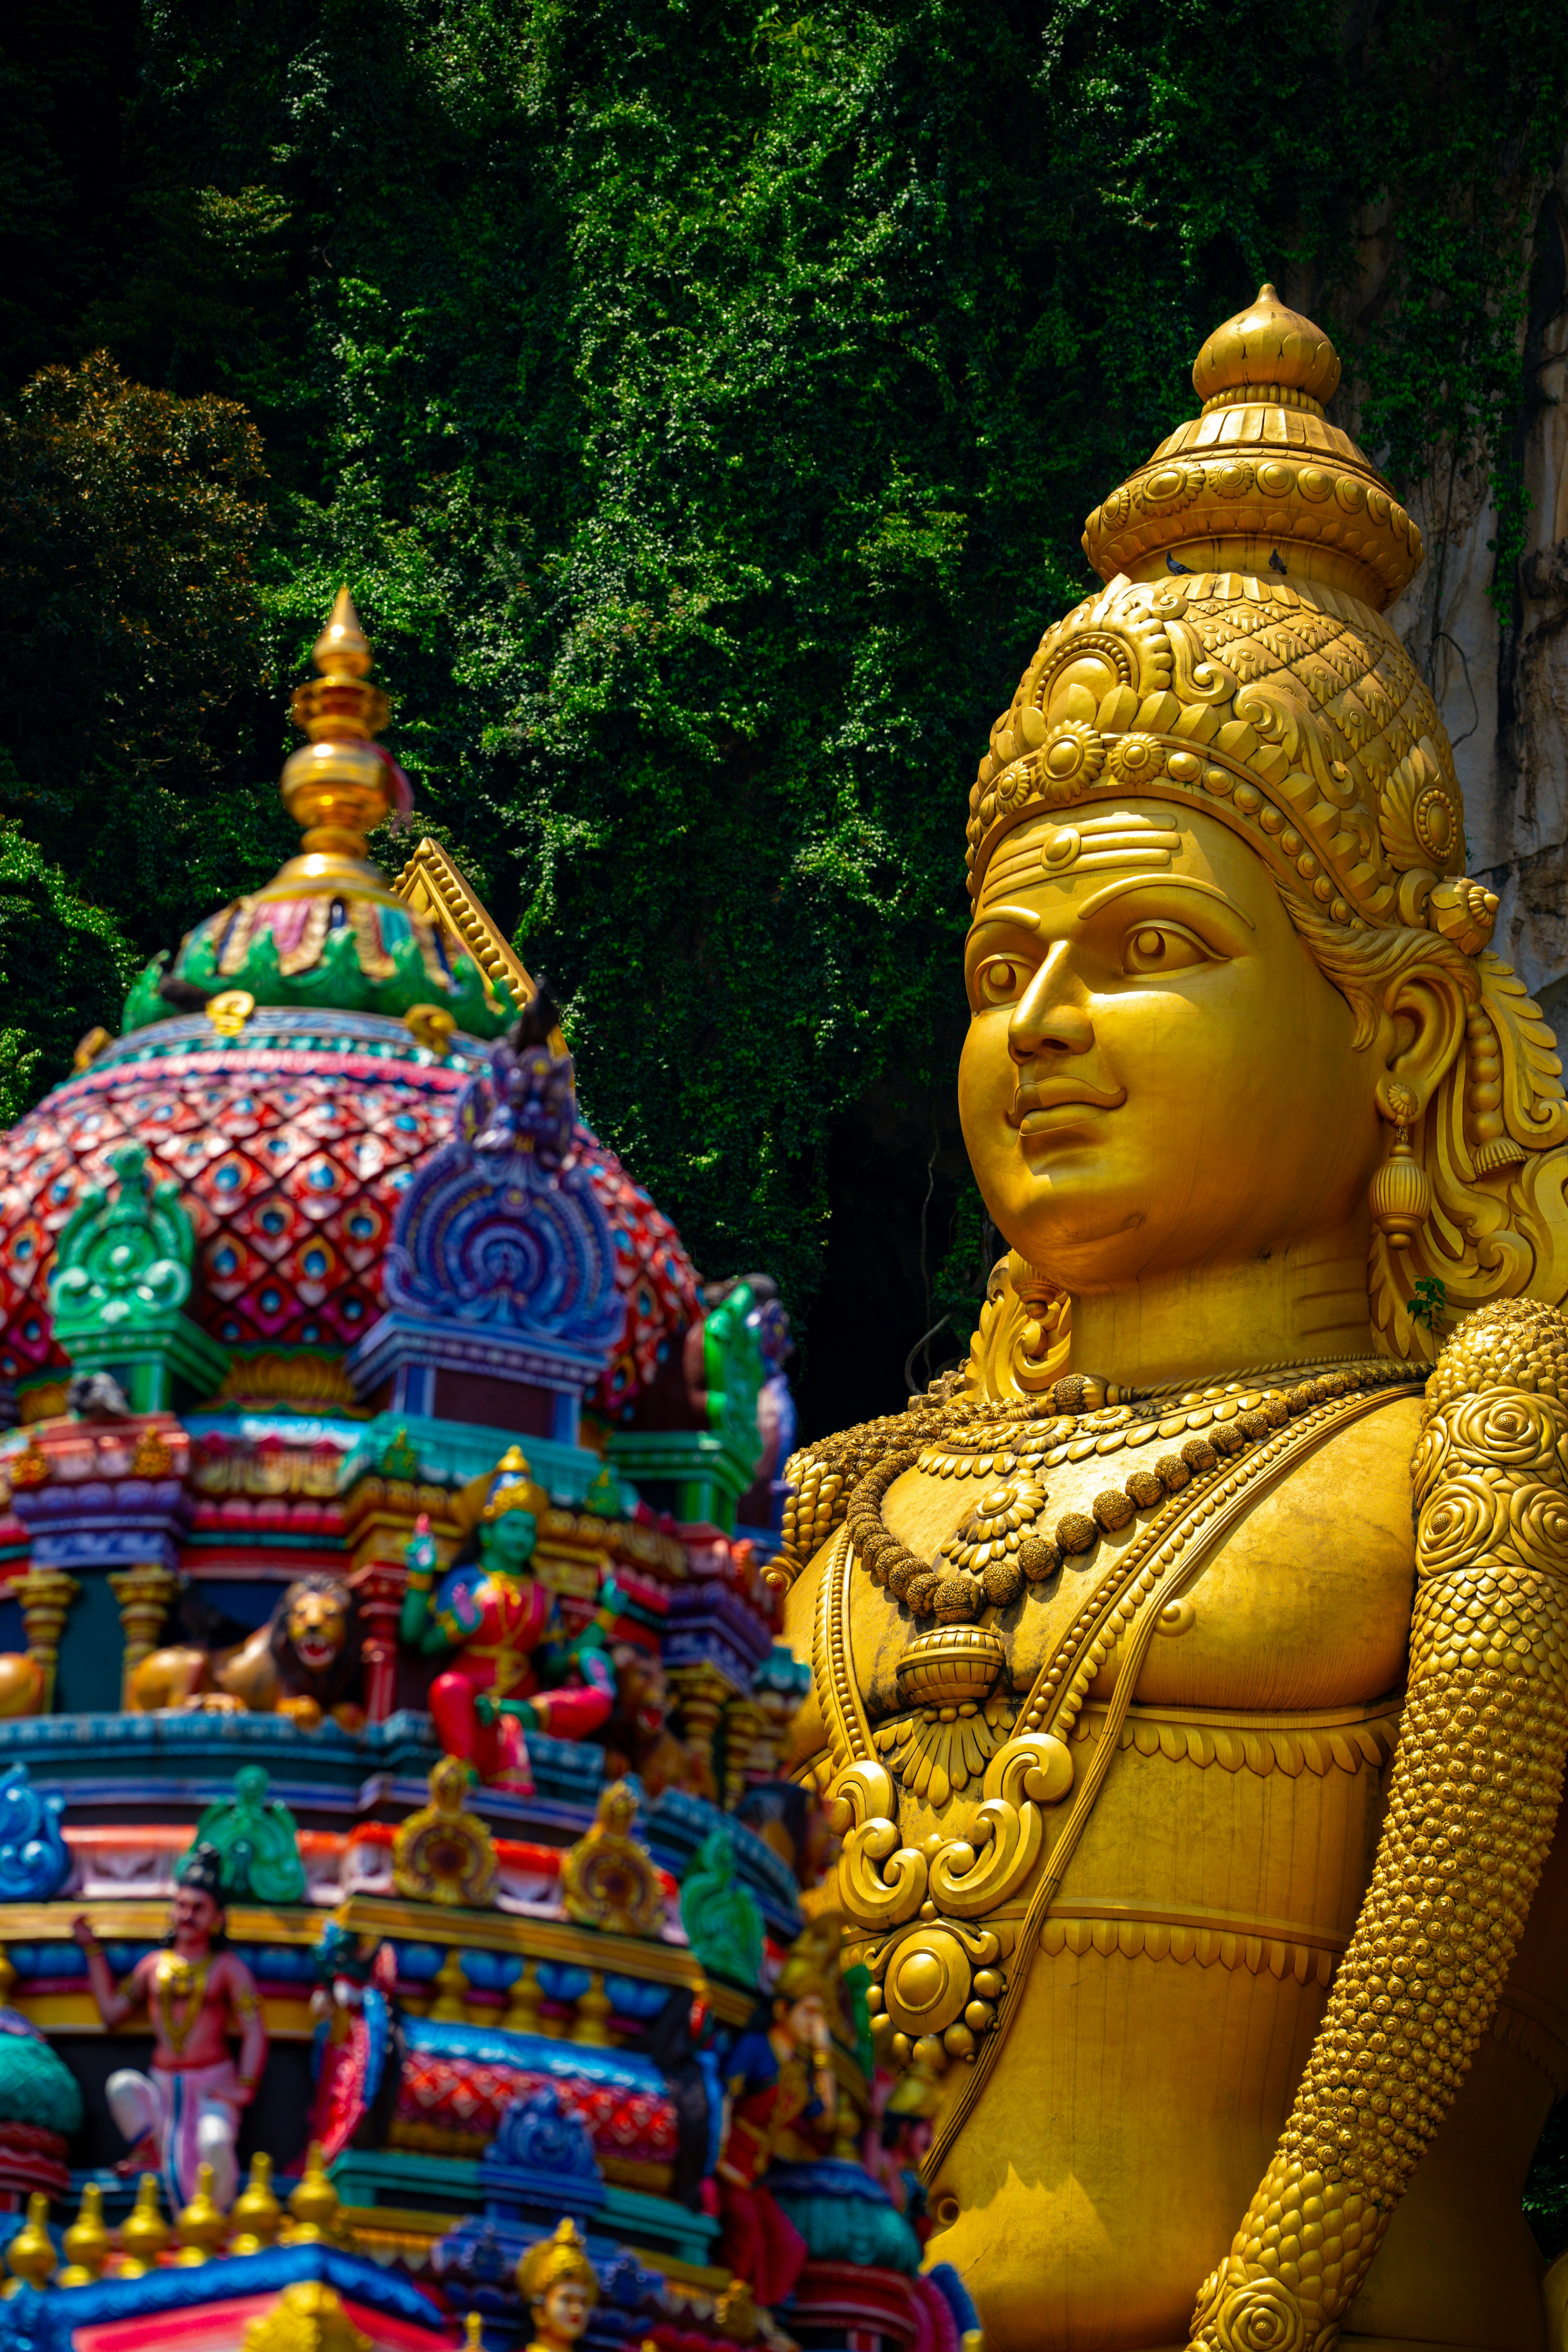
(1502,684)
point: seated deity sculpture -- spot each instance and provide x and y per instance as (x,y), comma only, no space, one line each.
(1191,1671)
(512,1670)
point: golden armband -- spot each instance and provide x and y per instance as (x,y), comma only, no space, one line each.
(1473,1801)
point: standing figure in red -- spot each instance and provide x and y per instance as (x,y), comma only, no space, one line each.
(779,2077)
(185,2111)
(512,1671)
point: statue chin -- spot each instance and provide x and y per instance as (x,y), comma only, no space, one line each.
(1191,1671)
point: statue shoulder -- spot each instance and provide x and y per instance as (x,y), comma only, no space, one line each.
(1497,1422)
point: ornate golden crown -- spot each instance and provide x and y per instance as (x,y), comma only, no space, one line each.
(560,2258)
(510,1486)
(1238,659)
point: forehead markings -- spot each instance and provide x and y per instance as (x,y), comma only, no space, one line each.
(1058,851)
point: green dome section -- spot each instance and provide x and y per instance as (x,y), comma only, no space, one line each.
(367,955)
(35,2087)
(328,932)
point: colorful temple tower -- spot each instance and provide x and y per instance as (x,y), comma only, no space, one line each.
(406,1934)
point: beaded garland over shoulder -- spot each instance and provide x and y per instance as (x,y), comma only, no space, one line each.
(1001,1547)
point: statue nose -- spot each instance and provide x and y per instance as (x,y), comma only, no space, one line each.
(1049,1019)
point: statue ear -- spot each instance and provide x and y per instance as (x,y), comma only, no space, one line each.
(1422,1031)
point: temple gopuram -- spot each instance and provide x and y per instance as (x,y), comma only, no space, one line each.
(408,1936)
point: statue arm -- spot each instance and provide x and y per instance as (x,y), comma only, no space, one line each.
(245,2003)
(419,1628)
(1473,1800)
(115,2003)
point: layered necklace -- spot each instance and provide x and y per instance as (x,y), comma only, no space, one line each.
(1007,1544)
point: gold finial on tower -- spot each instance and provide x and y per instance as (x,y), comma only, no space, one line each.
(257,2215)
(314,2203)
(337,786)
(31,2252)
(1260,483)
(202,2224)
(143,2233)
(1266,352)
(86,2242)
(342,645)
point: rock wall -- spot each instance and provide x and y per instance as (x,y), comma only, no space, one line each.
(1501,682)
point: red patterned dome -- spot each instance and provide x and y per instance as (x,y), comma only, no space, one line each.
(293,1111)
(291,1145)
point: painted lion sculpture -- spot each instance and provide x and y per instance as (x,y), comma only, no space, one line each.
(304,1663)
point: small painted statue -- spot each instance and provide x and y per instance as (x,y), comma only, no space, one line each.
(186,2112)
(780,2081)
(558,2283)
(304,1663)
(512,1670)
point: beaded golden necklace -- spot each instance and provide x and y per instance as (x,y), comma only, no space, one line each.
(1002,1548)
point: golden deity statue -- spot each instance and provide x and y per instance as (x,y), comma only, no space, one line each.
(1191,1673)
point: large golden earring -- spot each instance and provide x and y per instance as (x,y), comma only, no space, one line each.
(1401,1194)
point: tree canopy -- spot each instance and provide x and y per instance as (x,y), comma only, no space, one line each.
(702,401)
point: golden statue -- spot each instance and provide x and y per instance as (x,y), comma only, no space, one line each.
(1191,1674)
(559,2287)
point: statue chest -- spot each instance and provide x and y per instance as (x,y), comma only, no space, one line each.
(1303,1605)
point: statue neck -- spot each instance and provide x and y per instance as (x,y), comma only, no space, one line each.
(1300,1302)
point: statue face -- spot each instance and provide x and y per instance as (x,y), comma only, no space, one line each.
(806,2021)
(318,1628)
(1156,1073)
(507,1540)
(194,1916)
(565,2309)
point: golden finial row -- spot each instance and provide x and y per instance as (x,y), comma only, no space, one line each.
(202,2232)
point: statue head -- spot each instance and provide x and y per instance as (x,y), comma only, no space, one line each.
(311,1631)
(196,1914)
(558,2283)
(1222,941)
(503,1510)
(803,2001)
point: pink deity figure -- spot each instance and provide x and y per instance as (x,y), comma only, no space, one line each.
(512,1671)
(780,2087)
(186,2112)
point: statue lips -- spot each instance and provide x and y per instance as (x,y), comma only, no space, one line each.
(1046,1108)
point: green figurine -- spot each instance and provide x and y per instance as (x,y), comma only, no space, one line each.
(511,1670)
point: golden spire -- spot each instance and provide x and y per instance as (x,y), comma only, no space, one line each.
(257,2215)
(202,2225)
(314,2203)
(342,645)
(1260,482)
(86,2242)
(1266,352)
(31,2252)
(337,787)
(143,2233)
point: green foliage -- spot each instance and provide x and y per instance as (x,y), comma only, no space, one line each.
(1546,2190)
(127,625)
(1429,1303)
(63,966)
(702,402)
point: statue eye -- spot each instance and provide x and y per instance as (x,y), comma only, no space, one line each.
(998,982)
(1160,948)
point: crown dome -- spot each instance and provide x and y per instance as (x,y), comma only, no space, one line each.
(329,931)
(1260,482)
(1267,345)
(291,1074)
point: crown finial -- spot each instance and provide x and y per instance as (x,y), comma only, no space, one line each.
(342,644)
(1266,350)
(338,787)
